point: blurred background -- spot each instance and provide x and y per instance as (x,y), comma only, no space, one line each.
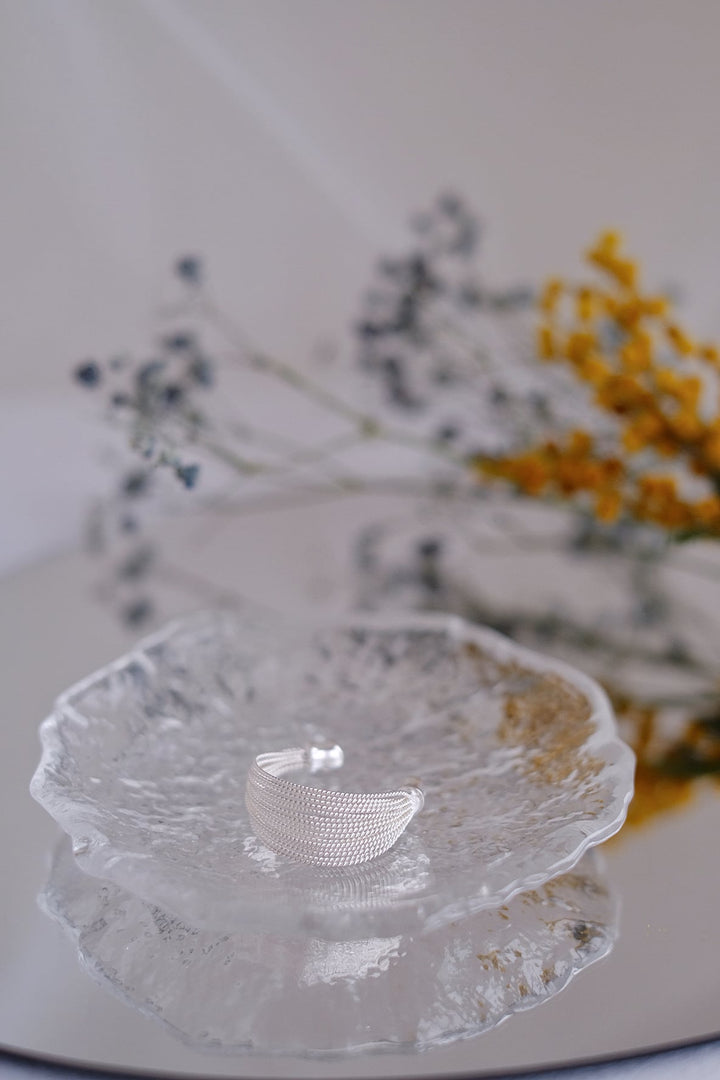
(288,143)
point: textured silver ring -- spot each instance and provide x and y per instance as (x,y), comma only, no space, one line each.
(317,826)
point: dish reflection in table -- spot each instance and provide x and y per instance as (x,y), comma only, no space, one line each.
(259,993)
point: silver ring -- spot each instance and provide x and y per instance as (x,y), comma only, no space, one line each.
(324,828)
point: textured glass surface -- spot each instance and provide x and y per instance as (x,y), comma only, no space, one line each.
(266,994)
(145,762)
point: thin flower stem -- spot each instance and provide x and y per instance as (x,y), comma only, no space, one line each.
(318,455)
(229,457)
(289,448)
(350,486)
(253,358)
(368,426)
(324,450)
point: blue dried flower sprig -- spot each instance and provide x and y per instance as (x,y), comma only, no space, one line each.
(410,332)
(156,401)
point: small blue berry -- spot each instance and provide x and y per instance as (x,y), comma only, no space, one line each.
(135,483)
(201,371)
(189,268)
(178,342)
(172,394)
(188,474)
(88,374)
(137,612)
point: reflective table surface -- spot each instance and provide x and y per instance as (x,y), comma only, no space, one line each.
(659,985)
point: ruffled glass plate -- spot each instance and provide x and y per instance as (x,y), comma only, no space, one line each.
(144,766)
(223,993)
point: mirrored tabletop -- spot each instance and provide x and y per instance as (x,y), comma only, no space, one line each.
(658,985)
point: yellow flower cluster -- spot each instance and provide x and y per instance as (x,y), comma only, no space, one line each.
(644,369)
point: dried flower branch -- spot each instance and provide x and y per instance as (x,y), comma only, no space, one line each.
(659,463)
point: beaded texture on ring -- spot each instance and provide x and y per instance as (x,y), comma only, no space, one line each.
(320,827)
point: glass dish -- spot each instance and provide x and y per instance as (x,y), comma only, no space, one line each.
(223,993)
(144,766)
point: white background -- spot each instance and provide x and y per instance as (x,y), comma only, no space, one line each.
(288,141)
